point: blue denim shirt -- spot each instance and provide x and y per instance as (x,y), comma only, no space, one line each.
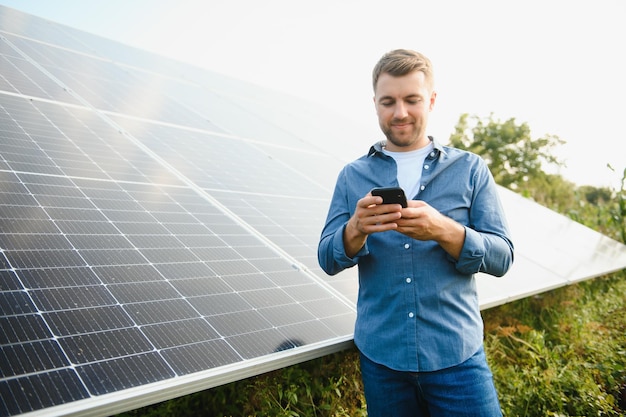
(417,306)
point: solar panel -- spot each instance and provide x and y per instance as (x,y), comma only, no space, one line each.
(159,225)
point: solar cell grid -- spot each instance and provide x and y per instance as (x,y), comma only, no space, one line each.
(198,357)
(287,277)
(126,273)
(249,282)
(135,292)
(22,211)
(87,320)
(109,149)
(161,311)
(5,85)
(27,259)
(309,332)
(16,80)
(19,329)
(124,54)
(233,164)
(53,299)
(124,372)
(105,345)
(158,241)
(58,277)
(108,87)
(178,333)
(81,227)
(25,48)
(72,64)
(30,358)
(251,345)
(15,303)
(15,146)
(39,391)
(185,270)
(4,263)
(99,225)
(8,279)
(14,21)
(6,50)
(29,80)
(239,322)
(282,315)
(194,287)
(99,242)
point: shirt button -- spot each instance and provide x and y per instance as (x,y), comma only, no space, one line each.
(432,154)
(411,315)
(426,166)
(408,280)
(422,187)
(406,246)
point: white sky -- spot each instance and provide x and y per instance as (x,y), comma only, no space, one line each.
(558,65)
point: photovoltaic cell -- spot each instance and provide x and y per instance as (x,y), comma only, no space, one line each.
(159,226)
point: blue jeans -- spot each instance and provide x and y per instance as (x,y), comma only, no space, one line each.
(465,390)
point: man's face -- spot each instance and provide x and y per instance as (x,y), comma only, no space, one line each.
(403,105)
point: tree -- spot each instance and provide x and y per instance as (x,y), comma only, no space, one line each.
(552,191)
(507,147)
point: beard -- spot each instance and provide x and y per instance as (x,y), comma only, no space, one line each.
(405,138)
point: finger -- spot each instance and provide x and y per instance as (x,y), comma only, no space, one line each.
(380,227)
(387,208)
(416,203)
(370,200)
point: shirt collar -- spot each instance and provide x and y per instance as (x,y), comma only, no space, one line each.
(378,146)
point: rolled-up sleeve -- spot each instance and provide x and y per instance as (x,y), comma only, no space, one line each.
(483,252)
(488,247)
(331,252)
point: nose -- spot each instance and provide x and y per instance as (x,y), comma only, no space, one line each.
(400,111)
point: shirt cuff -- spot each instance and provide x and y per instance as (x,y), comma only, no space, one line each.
(472,253)
(340,251)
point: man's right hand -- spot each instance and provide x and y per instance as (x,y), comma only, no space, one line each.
(370,216)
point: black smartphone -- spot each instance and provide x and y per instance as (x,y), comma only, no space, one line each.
(391,195)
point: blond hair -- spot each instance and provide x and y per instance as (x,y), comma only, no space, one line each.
(402,62)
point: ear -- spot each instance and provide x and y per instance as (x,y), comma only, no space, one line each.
(433,98)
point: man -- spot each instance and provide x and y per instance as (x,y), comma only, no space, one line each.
(418,328)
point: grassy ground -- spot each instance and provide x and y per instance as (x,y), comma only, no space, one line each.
(561,353)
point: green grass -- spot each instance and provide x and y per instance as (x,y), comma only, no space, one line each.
(561,353)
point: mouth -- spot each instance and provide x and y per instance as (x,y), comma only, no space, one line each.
(401,123)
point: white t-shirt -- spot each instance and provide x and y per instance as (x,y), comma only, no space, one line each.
(410,168)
